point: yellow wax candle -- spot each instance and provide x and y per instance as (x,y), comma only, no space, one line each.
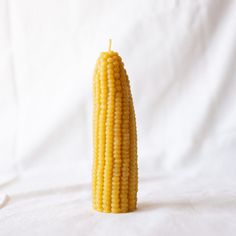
(115,170)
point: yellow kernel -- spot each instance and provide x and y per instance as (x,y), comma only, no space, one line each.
(117,75)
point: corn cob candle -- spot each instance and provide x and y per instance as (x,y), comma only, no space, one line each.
(115,171)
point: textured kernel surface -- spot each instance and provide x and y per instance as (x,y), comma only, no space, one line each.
(115,170)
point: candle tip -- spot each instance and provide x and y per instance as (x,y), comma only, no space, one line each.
(109,45)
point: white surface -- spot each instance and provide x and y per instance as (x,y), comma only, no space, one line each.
(180,57)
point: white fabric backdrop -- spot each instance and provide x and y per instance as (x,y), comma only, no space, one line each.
(181,60)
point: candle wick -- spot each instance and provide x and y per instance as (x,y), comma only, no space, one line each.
(109,45)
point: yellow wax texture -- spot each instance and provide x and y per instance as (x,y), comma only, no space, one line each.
(115,169)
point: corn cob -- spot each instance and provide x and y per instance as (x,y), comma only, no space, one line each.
(114,177)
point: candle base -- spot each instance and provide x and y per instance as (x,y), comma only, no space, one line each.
(118,211)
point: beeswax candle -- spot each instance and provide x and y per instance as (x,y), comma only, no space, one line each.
(115,171)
